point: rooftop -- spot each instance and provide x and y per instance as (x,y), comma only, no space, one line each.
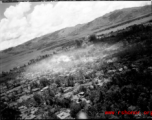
(81,93)
(68,95)
(22,107)
(63,115)
(35,89)
(16,88)
(44,88)
(33,110)
(30,117)
(68,89)
(24,97)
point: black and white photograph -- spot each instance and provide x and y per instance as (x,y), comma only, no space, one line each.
(75,59)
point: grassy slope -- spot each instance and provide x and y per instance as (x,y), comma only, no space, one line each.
(23,53)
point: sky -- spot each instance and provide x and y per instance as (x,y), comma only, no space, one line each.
(23,21)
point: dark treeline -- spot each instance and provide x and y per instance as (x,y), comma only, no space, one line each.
(130,85)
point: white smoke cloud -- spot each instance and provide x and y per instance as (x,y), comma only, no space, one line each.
(20,25)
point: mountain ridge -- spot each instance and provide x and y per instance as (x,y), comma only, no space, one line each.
(102,21)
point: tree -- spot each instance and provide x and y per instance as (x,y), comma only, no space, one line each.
(44,82)
(83,104)
(66,102)
(142,103)
(35,85)
(51,113)
(93,95)
(58,82)
(51,92)
(79,43)
(91,111)
(61,90)
(75,108)
(7,112)
(38,98)
(150,104)
(69,81)
(92,38)
(84,89)
(7,85)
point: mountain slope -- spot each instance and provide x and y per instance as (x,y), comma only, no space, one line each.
(21,54)
(112,18)
(101,22)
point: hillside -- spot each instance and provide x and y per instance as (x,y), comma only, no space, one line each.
(107,20)
(21,54)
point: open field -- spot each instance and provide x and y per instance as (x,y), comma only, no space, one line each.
(124,25)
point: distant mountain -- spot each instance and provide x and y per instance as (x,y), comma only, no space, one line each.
(108,19)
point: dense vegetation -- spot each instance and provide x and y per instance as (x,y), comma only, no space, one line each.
(7,112)
(130,85)
(130,79)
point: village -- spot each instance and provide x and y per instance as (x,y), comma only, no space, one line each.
(23,96)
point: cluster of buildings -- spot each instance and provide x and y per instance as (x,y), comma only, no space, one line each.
(28,113)
(23,92)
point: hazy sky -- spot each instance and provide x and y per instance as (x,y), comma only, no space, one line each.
(20,22)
